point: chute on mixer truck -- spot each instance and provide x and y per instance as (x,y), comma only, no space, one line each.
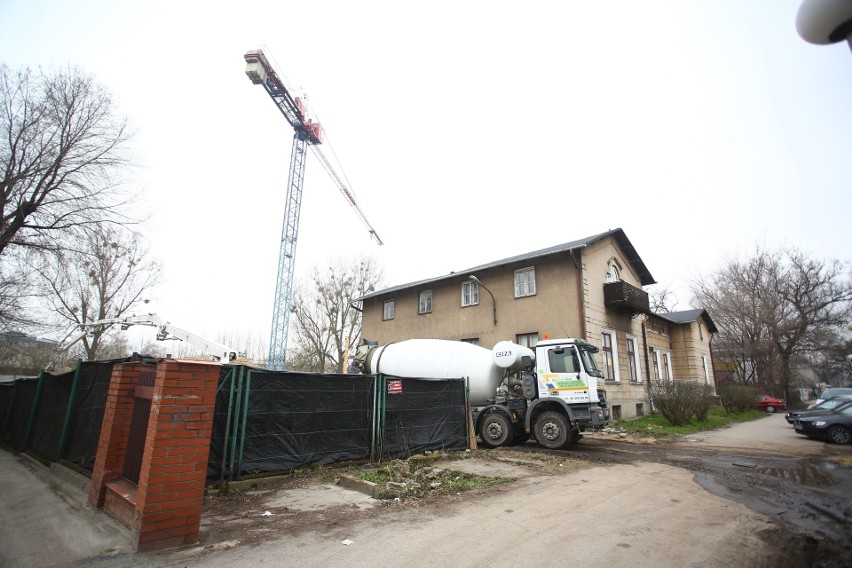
(553,392)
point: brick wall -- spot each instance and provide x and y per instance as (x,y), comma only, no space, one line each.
(164,510)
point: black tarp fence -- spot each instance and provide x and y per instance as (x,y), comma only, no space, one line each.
(269,421)
(57,417)
(264,421)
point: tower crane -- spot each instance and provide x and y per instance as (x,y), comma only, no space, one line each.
(308,133)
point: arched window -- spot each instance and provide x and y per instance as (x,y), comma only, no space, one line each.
(612,275)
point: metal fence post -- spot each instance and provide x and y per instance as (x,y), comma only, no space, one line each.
(34,410)
(231,375)
(63,438)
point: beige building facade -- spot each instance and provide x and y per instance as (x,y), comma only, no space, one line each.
(590,289)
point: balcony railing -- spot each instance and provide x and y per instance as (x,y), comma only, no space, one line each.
(622,296)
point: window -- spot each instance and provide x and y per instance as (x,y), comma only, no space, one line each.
(610,355)
(527,339)
(706,374)
(633,360)
(612,275)
(388,313)
(525,282)
(470,293)
(616,412)
(471,340)
(425,302)
(565,362)
(667,367)
(657,365)
(640,410)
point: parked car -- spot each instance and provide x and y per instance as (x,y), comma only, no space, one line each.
(833,393)
(770,403)
(835,427)
(824,406)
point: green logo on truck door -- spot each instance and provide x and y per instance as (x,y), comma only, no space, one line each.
(570,384)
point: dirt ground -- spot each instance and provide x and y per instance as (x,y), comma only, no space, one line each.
(314,500)
(755,494)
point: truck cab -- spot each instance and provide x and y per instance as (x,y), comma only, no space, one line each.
(566,369)
(561,396)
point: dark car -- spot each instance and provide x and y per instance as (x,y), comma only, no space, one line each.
(770,403)
(824,406)
(835,427)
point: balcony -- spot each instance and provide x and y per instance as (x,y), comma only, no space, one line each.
(624,297)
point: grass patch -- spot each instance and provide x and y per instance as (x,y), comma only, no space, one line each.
(418,478)
(656,425)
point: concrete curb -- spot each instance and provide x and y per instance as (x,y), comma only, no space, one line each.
(361,485)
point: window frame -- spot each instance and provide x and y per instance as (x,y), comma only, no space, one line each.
(611,352)
(528,283)
(421,308)
(388,314)
(666,366)
(473,288)
(529,340)
(634,369)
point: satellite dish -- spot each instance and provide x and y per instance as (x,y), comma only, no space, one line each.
(825,22)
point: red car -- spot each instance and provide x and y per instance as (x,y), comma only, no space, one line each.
(770,403)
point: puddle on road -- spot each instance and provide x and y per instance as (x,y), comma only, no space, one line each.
(810,472)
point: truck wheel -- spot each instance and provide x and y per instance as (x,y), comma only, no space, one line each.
(496,430)
(552,430)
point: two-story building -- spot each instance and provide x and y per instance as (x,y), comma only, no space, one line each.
(589,288)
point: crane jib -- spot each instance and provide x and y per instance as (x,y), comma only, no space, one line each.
(308,132)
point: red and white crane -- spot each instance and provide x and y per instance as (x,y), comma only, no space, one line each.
(308,133)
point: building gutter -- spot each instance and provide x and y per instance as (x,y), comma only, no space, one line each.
(581,303)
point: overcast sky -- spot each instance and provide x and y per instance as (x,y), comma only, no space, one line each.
(469,131)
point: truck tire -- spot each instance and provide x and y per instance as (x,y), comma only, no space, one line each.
(552,430)
(496,430)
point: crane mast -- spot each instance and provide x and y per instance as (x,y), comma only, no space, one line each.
(307,133)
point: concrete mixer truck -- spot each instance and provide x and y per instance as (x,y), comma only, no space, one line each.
(553,393)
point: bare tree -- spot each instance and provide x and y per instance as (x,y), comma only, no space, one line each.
(104,274)
(61,150)
(662,300)
(774,307)
(325,315)
(15,293)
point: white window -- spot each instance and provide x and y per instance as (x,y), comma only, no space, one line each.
(706,374)
(527,339)
(425,302)
(612,275)
(525,282)
(469,293)
(609,349)
(633,360)
(389,309)
(471,340)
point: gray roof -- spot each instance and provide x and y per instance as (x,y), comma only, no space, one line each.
(689,316)
(618,234)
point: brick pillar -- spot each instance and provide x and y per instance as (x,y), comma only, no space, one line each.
(170,493)
(112,445)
